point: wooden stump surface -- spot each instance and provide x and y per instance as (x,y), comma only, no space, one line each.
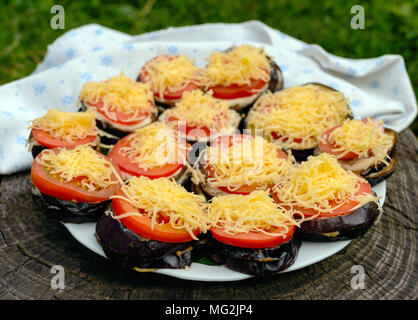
(30,244)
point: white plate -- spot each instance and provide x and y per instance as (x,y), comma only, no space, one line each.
(309,253)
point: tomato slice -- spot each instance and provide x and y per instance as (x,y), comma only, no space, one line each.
(193,131)
(327,146)
(47,140)
(276,136)
(230,140)
(345,208)
(168,95)
(254,240)
(235,91)
(121,117)
(127,165)
(142,225)
(176,95)
(70,190)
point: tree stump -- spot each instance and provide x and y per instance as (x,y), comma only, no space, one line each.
(30,244)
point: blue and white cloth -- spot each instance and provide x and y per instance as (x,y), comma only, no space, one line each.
(378,87)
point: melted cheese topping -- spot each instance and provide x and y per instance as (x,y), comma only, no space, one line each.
(251,161)
(300,112)
(362,138)
(68,126)
(237,66)
(322,184)
(155,145)
(186,210)
(168,74)
(254,212)
(201,109)
(119,94)
(91,170)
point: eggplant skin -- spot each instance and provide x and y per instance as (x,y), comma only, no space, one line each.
(256,262)
(129,250)
(382,172)
(303,154)
(376,177)
(68,211)
(349,226)
(276,77)
(37,150)
(108,129)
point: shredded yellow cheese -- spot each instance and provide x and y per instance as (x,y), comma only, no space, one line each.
(168,74)
(119,94)
(322,184)
(298,113)
(238,66)
(200,109)
(362,138)
(250,161)
(186,210)
(68,126)
(254,212)
(89,168)
(155,145)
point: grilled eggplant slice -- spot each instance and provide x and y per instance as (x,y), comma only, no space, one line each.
(381,172)
(276,83)
(276,77)
(37,149)
(374,173)
(299,154)
(109,135)
(344,227)
(375,177)
(68,211)
(256,262)
(303,154)
(130,250)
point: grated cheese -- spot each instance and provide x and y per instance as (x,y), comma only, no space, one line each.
(201,109)
(298,113)
(91,170)
(322,184)
(362,138)
(250,161)
(119,94)
(155,145)
(256,211)
(186,210)
(68,126)
(237,66)
(167,74)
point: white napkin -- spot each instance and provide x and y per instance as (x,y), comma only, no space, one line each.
(378,87)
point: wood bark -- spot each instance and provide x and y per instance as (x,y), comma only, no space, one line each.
(30,244)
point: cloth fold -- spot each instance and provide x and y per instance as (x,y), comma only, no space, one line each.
(377,87)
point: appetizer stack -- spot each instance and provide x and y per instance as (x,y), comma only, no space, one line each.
(273,166)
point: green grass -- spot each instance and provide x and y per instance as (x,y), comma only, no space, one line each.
(391,27)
